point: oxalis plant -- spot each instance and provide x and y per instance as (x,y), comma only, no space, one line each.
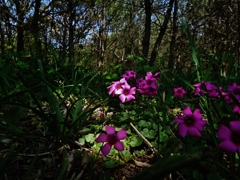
(195,134)
(199,133)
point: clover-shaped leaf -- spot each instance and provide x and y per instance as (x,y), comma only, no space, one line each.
(90,138)
(142,123)
(134,141)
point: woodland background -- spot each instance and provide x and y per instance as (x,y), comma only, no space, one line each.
(96,33)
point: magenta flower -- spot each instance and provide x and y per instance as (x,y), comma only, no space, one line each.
(230,137)
(235,89)
(211,89)
(112,138)
(236,109)
(116,86)
(227,98)
(148,86)
(190,123)
(199,89)
(150,76)
(129,74)
(126,93)
(179,92)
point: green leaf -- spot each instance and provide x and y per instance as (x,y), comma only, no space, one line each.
(142,123)
(114,76)
(149,125)
(81,141)
(163,137)
(150,134)
(108,77)
(126,155)
(135,141)
(90,138)
(111,163)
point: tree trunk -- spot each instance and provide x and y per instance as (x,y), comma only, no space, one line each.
(2,40)
(71,30)
(161,34)
(102,35)
(35,29)
(20,29)
(173,39)
(147,28)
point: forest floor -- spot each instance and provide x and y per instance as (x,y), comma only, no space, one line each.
(37,156)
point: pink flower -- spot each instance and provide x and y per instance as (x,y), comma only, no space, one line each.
(116,86)
(211,89)
(230,137)
(190,123)
(129,74)
(236,109)
(179,92)
(150,76)
(126,93)
(199,89)
(235,90)
(112,138)
(148,86)
(227,98)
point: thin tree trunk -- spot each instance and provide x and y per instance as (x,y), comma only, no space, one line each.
(161,34)
(147,28)
(20,30)
(35,29)
(71,31)
(102,35)
(173,39)
(2,40)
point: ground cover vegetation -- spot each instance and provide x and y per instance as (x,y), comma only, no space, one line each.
(125,89)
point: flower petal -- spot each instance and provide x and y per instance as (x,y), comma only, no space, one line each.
(200,124)
(235,126)
(130,97)
(179,119)
(194,132)
(182,130)
(110,130)
(187,111)
(122,134)
(132,90)
(197,115)
(122,98)
(102,138)
(106,149)
(119,146)
(228,146)
(224,133)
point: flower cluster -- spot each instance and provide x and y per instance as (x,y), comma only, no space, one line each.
(206,87)
(192,123)
(148,85)
(112,138)
(125,91)
(213,91)
(129,74)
